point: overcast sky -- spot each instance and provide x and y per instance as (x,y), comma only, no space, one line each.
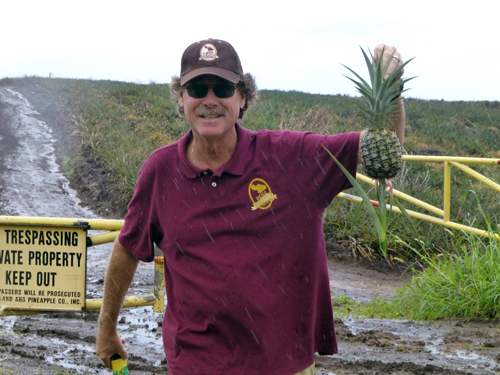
(287,45)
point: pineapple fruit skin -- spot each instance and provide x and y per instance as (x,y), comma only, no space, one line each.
(381,154)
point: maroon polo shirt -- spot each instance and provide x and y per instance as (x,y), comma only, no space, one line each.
(245,260)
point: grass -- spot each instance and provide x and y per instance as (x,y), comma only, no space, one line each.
(465,284)
(119,124)
(378,308)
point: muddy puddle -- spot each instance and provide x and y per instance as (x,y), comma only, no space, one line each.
(31,184)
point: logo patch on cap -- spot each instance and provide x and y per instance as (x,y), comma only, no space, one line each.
(208,52)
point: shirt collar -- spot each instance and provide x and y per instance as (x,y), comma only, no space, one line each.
(235,165)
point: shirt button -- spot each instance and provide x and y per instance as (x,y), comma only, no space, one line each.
(205,173)
(214,184)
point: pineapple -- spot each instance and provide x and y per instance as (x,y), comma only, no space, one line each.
(380,147)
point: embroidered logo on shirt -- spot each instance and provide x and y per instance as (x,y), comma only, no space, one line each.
(261,194)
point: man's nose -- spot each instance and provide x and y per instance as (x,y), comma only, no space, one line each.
(211,95)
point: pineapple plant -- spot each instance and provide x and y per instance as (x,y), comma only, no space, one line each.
(380,147)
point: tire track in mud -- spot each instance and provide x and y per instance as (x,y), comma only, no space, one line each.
(31,184)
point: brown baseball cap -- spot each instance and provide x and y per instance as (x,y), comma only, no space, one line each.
(211,56)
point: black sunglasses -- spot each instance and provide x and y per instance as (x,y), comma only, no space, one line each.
(200,90)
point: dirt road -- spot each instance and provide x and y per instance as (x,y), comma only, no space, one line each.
(31,184)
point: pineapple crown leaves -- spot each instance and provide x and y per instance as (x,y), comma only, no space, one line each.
(377,102)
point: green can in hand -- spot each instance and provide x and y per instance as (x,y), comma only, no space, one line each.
(119,365)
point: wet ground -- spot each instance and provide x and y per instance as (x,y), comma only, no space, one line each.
(31,184)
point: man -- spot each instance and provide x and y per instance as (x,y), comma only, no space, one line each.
(238,215)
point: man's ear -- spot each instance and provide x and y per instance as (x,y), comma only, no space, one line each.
(180,98)
(243,100)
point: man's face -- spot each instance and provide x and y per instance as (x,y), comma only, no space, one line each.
(213,115)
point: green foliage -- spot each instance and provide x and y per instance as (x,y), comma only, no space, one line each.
(379,215)
(462,284)
(377,308)
(121,124)
(465,284)
(376,104)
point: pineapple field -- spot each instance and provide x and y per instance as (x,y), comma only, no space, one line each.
(94,117)
(105,130)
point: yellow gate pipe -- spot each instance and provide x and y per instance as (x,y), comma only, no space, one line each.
(431,219)
(406,197)
(159,290)
(147,300)
(478,176)
(447,191)
(99,239)
(95,224)
(457,159)
(90,305)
